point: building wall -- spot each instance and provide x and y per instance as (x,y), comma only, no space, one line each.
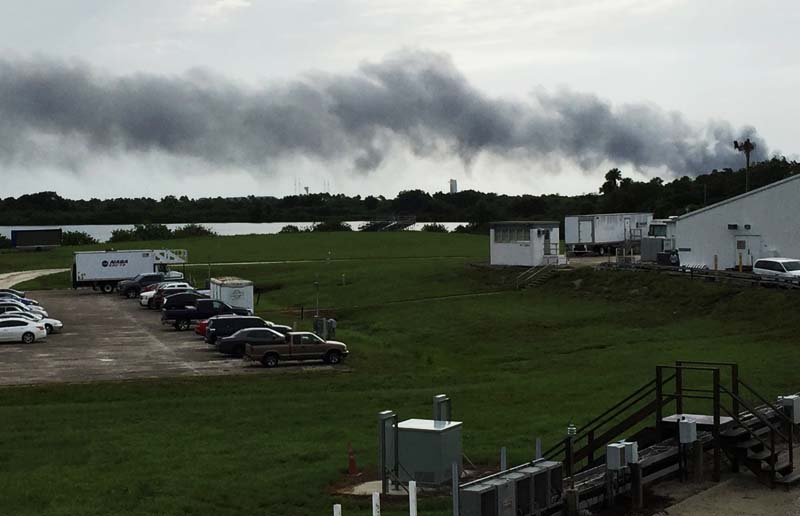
(773,214)
(528,253)
(608,228)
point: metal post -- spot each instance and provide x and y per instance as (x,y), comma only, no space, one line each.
(717,447)
(679,388)
(316,287)
(735,406)
(383,418)
(568,455)
(637,491)
(591,445)
(455,489)
(538,448)
(376,504)
(503,459)
(337,510)
(659,416)
(412,498)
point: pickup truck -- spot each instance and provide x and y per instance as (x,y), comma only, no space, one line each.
(133,287)
(270,347)
(183,317)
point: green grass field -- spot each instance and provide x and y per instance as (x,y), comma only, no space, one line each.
(517,365)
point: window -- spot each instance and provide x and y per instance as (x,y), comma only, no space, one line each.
(792,266)
(12,324)
(741,244)
(657,231)
(510,234)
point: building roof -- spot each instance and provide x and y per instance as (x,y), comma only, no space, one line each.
(529,223)
(617,213)
(740,196)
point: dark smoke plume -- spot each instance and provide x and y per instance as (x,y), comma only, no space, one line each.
(414,99)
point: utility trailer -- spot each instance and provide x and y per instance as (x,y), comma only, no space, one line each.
(103,270)
(602,233)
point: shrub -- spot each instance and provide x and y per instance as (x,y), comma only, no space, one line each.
(5,243)
(192,230)
(333,225)
(434,228)
(291,228)
(77,238)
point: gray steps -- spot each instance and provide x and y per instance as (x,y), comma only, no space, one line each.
(790,479)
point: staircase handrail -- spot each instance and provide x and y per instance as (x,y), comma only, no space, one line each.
(775,409)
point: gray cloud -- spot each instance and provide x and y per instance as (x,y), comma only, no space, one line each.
(414,99)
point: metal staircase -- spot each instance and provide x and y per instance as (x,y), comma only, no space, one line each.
(535,276)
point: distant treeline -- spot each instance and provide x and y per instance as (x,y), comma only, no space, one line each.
(616,194)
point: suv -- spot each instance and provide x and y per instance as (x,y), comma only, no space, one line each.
(133,287)
(787,268)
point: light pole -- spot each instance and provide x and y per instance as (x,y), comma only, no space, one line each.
(747,147)
(316,286)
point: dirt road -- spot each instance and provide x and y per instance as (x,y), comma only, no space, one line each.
(9,279)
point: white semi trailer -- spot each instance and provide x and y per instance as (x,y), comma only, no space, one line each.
(603,232)
(104,269)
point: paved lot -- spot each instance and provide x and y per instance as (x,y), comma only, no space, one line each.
(107,337)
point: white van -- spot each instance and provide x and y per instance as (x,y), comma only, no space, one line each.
(788,268)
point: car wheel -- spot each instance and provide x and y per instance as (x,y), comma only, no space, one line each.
(150,304)
(333,357)
(270,360)
(28,338)
(107,288)
(48,328)
(183,325)
(131,293)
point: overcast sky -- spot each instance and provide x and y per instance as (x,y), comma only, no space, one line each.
(240,97)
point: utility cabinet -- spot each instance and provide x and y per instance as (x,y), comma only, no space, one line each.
(427,450)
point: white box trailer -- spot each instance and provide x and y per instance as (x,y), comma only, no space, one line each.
(602,232)
(233,291)
(104,269)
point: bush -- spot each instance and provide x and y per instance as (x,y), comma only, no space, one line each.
(473,228)
(5,243)
(192,230)
(434,228)
(151,232)
(77,238)
(291,228)
(333,225)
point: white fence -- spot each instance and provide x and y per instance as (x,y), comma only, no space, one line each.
(376,502)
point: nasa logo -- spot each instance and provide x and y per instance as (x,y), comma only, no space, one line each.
(104,263)
(237,294)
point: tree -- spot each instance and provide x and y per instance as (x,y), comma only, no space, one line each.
(612,177)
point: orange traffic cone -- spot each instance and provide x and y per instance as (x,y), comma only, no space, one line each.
(352,469)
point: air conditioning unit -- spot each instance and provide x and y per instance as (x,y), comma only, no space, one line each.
(791,405)
(615,457)
(687,430)
(631,452)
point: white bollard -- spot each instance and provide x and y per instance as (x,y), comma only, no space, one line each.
(376,504)
(412,498)
(337,510)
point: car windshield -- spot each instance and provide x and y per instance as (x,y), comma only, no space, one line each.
(792,266)
(138,277)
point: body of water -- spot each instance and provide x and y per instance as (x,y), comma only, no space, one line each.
(102,232)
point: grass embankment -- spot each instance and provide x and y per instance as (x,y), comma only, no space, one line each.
(252,248)
(517,365)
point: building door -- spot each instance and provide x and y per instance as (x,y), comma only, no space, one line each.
(749,248)
(627,223)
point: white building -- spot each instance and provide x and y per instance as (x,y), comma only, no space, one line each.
(528,243)
(600,232)
(453,186)
(757,224)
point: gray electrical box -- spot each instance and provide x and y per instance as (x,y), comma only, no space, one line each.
(427,450)
(478,500)
(545,485)
(506,496)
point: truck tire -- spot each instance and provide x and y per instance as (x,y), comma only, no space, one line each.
(333,357)
(107,288)
(183,324)
(48,328)
(270,360)
(28,338)
(131,293)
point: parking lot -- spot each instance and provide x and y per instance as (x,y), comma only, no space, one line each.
(107,337)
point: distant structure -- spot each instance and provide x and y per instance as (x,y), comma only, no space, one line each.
(453,186)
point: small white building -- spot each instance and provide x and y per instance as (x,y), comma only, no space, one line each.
(758,224)
(528,243)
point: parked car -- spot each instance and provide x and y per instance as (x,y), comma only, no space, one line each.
(146,297)
(294,346)
(786,268)
(235,343)
(226,326)
(182,300)
(8,305)
(182,318)
(50,325)
(21,330)
(15,297)
(158,299)
(201,326)
(133,287)
(13,291)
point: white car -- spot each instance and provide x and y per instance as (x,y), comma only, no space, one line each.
(12,306)
(787,268)
(145,297)
(21,330)
(50,325)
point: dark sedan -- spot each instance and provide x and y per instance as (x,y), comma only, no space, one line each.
(235,344)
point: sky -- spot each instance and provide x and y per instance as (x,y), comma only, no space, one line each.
(246,97)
